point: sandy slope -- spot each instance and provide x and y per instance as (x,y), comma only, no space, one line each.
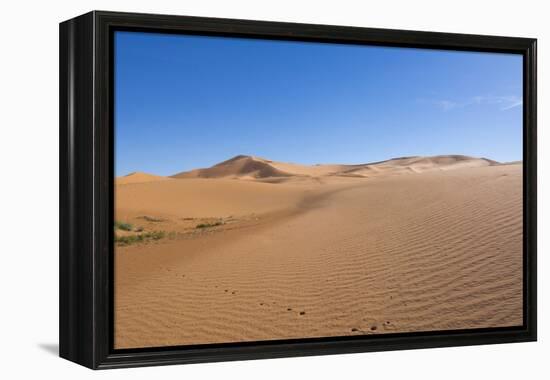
(139,177)
(338,256)
(198,197)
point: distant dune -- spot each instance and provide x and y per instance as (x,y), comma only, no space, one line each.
(236,167)
(249,167)
(254,249)
(139,177)
(417,165)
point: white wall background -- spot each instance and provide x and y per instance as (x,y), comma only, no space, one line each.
(29,186)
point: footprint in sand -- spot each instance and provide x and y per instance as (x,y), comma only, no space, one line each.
(388,326)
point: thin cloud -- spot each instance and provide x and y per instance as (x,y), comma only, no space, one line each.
(512,105)
(502,102)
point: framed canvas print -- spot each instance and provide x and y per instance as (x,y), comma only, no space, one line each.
(236,189)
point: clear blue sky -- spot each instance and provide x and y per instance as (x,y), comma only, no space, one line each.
(183,102)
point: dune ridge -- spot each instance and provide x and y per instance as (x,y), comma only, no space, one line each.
(250,167)
(139,177)
(237,167)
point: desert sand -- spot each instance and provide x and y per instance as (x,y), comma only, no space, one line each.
(139,177)
(253,249)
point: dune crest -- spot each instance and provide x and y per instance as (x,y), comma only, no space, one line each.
(237,167)
(418,164)
(139,177)
(250,167)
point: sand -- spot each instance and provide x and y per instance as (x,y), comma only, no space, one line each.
(405,245)
(139,177)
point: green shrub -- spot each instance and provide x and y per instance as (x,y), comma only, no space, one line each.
(144,237)
(207,225)
(152,219)
(123,226)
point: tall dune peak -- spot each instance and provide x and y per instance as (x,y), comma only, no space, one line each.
(241,158)
(240,166)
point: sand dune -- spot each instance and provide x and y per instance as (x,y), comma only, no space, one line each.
(409,244)
(407,165)
(139,177)
(250,167)
(237,167)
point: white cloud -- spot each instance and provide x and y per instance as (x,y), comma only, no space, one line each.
(502,102)
(513,104)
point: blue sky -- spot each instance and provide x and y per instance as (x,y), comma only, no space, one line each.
(183,102)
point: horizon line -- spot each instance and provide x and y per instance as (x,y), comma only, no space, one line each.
(241,156)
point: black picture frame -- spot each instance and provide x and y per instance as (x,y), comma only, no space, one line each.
(87,177)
